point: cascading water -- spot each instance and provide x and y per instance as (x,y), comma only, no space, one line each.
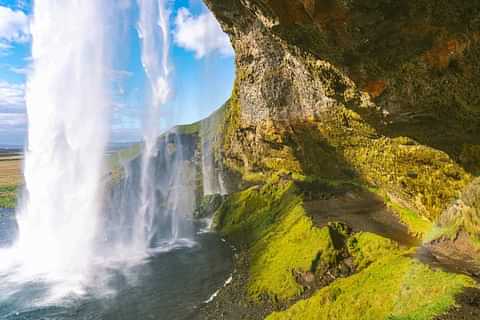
(212,176)
(68,124)
(73,241)
(174,182)
(153,30)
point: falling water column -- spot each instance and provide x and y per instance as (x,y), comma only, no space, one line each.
(68,124)
(153,31)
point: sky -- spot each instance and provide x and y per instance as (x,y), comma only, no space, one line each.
(200,55)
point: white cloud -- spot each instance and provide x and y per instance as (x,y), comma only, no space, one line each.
(5,46)
(12,96)
(201,34)
(12,120)
(21,71)
(14,26)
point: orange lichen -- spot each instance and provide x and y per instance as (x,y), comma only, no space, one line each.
(442,53)
(375,87)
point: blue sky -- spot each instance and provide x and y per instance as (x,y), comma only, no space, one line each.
(201,57)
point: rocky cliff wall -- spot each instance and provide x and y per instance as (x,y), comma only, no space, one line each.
(381,92)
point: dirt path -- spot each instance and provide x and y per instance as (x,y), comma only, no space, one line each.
(362,211)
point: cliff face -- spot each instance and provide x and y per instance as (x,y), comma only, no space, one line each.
(382,92)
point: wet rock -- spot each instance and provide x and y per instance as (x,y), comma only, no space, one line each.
(208,205)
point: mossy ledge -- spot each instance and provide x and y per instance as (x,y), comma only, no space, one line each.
(288,256)
(394,287)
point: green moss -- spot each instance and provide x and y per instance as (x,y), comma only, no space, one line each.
(353,141)
(448,232)
(116,159)
(232,118)
(395,287)
(211,127)
(367,248)
(188,129)
(271,223)
(425,178)
(418,226)
(8,197)
(422,176)
(463,215)
(293,244)
(470,157)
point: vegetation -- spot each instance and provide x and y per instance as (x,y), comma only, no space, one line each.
(394,287)
(271,223)
(116,159)
(193,128)
(417,225)
(367,248)
(281,240)
(426,178)
(345,144)
(10,179)
(463,215)
(8,197)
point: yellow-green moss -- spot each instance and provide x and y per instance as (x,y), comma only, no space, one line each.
(8,197)
(470,157)
(417,225)
(116,159)
(462,215)
(271,223)
(293,244)
(367,248)
(426,178)
(188,129)
(350,142)
(396,287)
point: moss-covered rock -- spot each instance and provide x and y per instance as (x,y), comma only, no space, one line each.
(367,248)
(271,224)
(393,287)
(323,91)
(463,215)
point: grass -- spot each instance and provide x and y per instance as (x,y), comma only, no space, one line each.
(463,215)
(10,172)
(395,287)
(281,240)
(367,248)
(188,129)
(116,159)
(8,197)
(271,223)
(292,245)
(10,179)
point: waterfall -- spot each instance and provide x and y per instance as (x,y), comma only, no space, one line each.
(174,184)
(212,173)
(70,232)
(68,124)
(153,30)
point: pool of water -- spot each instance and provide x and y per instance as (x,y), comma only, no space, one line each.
(170,285)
